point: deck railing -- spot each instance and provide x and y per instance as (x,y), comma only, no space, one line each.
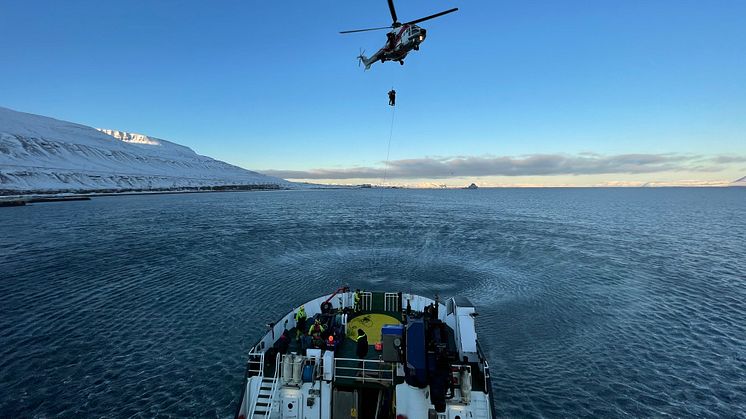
(483,360)
(251,407)
(366,300)
(275,381)
(391,301)
(255,364)
(364,370)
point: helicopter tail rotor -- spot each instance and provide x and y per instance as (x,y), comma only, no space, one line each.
(362,59)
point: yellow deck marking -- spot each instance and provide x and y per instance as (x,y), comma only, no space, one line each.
(371,323)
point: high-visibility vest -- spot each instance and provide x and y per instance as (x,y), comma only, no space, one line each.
(319,328)
(301,314)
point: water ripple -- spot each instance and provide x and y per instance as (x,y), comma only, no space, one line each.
(593,303)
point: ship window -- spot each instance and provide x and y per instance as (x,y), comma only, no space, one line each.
(450,306)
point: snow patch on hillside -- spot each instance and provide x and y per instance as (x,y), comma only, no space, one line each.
(40,154)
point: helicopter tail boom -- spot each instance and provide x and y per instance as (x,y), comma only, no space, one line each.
(362,59)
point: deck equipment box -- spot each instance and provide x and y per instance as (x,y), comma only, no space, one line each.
(391,335)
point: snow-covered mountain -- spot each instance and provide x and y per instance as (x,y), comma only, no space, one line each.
(40,154)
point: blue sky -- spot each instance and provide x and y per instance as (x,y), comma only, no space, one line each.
(273,86)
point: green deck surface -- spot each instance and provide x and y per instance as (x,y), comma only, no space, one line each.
(348,349)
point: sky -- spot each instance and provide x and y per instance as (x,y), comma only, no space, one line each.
(501,93)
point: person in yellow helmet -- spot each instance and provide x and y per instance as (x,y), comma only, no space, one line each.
(316,329)
(315,332)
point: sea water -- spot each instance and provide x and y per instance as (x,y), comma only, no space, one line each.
(591,302)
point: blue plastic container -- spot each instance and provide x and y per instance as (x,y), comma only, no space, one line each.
(392,330)
(307,373)
(416,357)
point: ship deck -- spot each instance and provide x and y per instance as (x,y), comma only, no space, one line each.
(370,321)
(429,345)
(347,347)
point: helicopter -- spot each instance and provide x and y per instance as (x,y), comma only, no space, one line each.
(401,39)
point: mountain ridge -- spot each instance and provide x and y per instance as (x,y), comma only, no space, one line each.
(39,154)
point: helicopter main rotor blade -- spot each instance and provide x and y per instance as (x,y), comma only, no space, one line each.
(365,30)
(393,11)
(432,16)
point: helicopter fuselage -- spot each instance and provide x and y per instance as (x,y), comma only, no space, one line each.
(400,41)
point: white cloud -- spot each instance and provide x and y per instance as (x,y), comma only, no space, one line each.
(528,165)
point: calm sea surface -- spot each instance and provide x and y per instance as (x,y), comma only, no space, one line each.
(592,302)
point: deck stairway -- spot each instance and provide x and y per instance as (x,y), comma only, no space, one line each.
(261,400)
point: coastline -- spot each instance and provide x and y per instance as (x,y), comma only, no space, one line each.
(21,198)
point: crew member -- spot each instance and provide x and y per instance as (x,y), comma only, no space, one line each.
(300,322)
(392,97)
(283,343)
(356,299)
(362,348)
(390,40)
(362,344)
(315,332)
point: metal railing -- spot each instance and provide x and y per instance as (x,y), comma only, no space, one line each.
(365,370)
(483,360)
(275,381)
(252,396)
(273,390)
(487,381)
(391,301)
(366,300)
(255,363)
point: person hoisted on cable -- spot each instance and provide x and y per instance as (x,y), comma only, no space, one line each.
(392,97)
